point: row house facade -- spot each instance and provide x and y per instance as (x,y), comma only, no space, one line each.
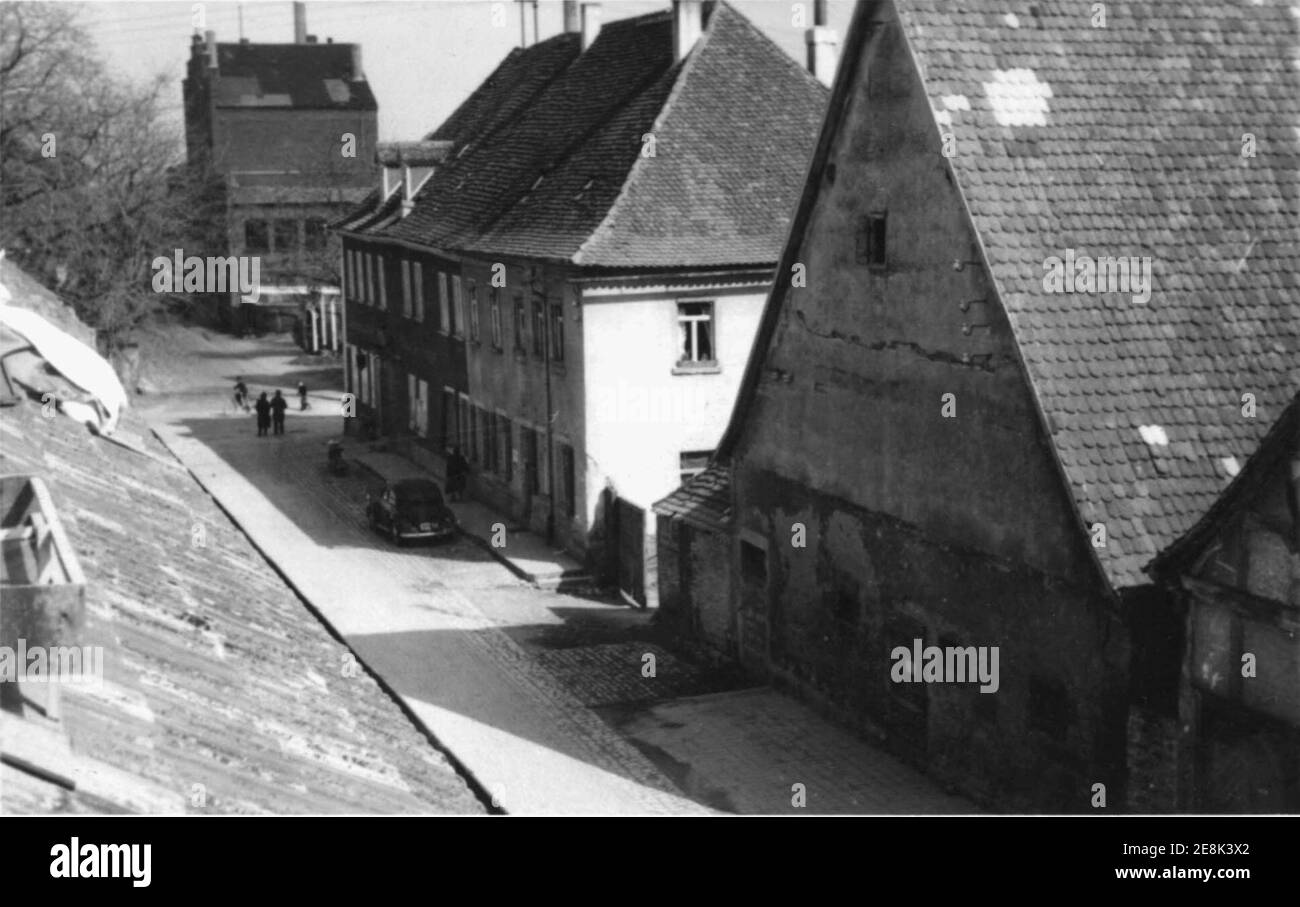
(939,437)
(573,265)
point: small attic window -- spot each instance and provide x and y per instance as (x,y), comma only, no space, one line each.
(871,240)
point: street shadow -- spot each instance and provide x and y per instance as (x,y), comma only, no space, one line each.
(476,675)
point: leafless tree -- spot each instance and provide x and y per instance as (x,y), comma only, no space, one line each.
(92,181)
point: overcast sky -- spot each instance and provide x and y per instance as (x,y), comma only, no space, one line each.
(422,57)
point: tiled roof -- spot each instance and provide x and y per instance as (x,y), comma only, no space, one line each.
(550,166)
(1126,140)
(1280,446)
(290,75)
(215,673)
(703,502)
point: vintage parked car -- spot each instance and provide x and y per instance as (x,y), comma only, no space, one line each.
(412,509)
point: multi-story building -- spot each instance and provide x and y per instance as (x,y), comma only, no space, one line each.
(1046,314)
(287,133)
(564,280)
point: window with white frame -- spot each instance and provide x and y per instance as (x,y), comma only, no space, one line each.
(695,334)
(417,395)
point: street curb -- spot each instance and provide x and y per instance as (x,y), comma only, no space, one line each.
(476,787)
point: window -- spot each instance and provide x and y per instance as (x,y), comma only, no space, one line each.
(695,329)
(256,238)
(753,565)
(1049,707)
(448,418)
(285,236)
(495,316)
(568,480)
(473,311)
(417,290)
(406,288)
(444,305)
(871,241)
(539,329)
(381,277)
(557,333)
(372,285)
(365,277)
(458,307)
(693,462)
(492,443)
(462,423)
(507,448)
(417,395)
(472,454)
(314,234)
(521,325)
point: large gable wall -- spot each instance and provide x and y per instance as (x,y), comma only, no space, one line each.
(957,528)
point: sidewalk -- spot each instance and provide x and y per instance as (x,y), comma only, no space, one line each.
(525,554)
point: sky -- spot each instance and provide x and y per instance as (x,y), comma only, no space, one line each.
(421,57)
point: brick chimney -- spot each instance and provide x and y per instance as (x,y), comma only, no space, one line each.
(590,24)
(823,45)
(572,18)
(210,39)
(688,25)
(299,23)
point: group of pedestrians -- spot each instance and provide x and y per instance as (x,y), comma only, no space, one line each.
(270,411)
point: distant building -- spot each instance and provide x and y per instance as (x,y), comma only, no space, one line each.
(939,437)
(564,280)
(288,131)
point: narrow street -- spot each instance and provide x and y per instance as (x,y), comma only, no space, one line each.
(539,695)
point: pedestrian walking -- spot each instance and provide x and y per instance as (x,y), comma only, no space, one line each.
(302,396)
(278,406)
(241,394)
(457,475)
(263,414)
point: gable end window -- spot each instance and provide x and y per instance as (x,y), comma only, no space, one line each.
(871,241)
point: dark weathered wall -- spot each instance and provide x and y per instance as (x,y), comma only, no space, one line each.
(956,528)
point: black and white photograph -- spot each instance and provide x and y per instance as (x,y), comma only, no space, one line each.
(651,408)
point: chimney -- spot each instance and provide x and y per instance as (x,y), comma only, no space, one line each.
(572,18)
(299,23)
(688,25)
(823,46)
(357,74)
(210,38)
(590,24)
